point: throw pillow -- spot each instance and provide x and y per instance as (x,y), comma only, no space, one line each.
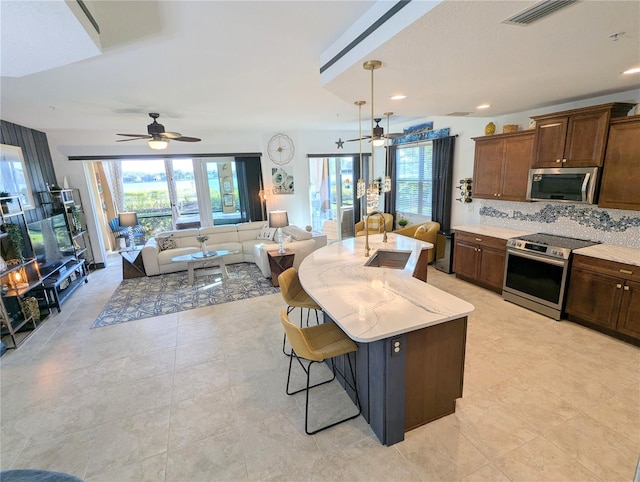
(373,223)
(166,242)
(420,231)
(267,232)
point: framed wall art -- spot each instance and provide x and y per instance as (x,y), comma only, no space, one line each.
(282,180)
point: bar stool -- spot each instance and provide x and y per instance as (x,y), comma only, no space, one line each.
(316,344)
(296,297)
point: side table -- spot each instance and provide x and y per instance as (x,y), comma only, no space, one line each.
(132,264)
(279,262)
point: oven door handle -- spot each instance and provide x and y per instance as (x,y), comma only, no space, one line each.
(537,258)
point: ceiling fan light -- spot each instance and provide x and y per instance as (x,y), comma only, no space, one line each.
(158,144)
(378,142)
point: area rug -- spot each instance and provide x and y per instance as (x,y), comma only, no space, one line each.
(151,296)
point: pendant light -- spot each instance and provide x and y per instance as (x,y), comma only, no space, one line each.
(361,186)
(373,192)
(387,179)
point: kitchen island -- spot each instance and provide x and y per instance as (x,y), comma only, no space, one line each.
(410,335)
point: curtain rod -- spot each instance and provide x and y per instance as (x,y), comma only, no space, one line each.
(422,141)
(161,156)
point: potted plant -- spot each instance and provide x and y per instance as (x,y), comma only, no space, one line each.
(14,236)
(202,239)
(402,222)
(4,202)
(75,217)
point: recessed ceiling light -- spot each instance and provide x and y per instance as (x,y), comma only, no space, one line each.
(483,106)
(397,97)
(635,70)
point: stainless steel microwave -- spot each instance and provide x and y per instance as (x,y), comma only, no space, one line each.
(564,184)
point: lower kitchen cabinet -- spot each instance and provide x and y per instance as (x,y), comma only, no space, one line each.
(480,259)
(605,294)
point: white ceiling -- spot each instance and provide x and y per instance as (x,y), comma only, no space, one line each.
(254,65)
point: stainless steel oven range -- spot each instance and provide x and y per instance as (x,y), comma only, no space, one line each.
(536,271)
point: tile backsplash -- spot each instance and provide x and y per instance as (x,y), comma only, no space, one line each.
(611,226)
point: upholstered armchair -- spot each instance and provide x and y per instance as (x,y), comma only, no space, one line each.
(424,232)
(374,225)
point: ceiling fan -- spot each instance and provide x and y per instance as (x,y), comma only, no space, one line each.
(158,137)
(379,136)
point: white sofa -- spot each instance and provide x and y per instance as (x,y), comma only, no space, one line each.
(242,237)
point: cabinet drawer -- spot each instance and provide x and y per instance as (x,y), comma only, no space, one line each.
(611,268)
(482,240)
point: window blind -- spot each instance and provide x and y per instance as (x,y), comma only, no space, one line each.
(414,179)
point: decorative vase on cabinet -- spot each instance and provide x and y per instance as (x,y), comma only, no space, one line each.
(490,129)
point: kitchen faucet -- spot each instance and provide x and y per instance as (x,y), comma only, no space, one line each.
(366,231)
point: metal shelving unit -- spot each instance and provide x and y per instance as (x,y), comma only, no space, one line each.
(19,278)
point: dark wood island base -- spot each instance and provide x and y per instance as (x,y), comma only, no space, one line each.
(420,382)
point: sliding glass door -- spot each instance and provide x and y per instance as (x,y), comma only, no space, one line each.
(222,189)
(145,192)
(331,192)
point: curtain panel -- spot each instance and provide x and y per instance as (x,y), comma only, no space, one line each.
(443,149)
(390,197)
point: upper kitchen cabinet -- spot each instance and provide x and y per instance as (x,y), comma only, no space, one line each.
(575,138)
(621,174)
(502,165)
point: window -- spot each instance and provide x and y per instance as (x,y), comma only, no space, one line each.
(414,176)
(331,190)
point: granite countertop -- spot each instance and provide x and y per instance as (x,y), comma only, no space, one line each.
(371,303)
(611,252)
(495,231)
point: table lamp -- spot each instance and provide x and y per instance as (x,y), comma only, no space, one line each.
(279,219)
(129,220)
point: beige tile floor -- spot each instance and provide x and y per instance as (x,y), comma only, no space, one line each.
(199,396)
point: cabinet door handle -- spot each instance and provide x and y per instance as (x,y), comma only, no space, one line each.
(499,194)
(564,160)
(626,271)
(479,240)
(558,161)
(618,286)
(626,288)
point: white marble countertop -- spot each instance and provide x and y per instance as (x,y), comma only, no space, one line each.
(371,303)
(611,252)
(495,231)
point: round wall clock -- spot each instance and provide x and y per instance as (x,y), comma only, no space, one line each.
(280,149)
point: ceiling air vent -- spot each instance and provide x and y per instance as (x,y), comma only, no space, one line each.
(459,114)
(538,11)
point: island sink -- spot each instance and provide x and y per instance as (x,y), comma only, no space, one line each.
(386,258)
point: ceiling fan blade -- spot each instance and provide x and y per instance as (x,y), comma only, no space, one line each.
(170,135)
(134,135)
(133,139)
(187,139)
(364,138)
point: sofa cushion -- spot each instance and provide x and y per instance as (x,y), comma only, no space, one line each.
(164,257)
(298,234)
(225,233)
